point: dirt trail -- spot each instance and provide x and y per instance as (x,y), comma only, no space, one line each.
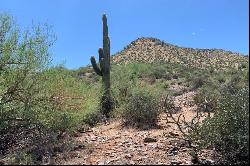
(113,144)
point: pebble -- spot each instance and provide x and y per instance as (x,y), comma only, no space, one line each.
(132,162)
(128,156)
(102,162)
(173,134)
(148,139)
(173,151)
(118,158)
(176,162)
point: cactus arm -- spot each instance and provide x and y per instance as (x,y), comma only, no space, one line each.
(101,59)
(95,67)
(101,56)
(102,65)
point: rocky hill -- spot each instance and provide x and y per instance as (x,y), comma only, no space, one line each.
(152,50)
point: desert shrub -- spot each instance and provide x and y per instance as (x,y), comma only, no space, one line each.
(166,85)
(93,118)
(141,110)
(150,79)
(38,103)
(207,98)
(167,104)
(122,83)
(158,72)
(168,76)
(243,65)
(235,83)
(198,82)
(23,57)
(124,91)
(175,76)
(221,79)
(228,130)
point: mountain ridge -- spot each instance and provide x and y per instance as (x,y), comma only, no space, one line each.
(171,44)
(153,50)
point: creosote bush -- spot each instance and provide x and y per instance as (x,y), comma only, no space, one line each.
(141,110)
(207,98)
(93,118)
(228,130)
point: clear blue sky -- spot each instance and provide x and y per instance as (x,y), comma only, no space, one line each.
(189,23)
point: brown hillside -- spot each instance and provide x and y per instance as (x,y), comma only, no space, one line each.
(152,50)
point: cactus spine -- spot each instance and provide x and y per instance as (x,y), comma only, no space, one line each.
(104,69)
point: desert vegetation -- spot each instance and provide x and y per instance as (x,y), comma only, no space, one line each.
(45,108)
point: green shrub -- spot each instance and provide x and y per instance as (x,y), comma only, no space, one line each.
(23,57)
(221,79)
(158,72)
(166,85)
(92,118)
(198,82)
(207,98)
(235,83)
(142,110)
(228,130)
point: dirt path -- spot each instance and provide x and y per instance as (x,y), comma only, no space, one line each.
(112,144)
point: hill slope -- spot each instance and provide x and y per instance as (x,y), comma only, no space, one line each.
(152,50)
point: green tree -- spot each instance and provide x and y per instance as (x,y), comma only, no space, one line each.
(23,58)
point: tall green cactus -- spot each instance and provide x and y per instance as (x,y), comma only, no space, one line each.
(104,69)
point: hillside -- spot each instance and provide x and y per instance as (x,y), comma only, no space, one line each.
(152,50)
(168,110)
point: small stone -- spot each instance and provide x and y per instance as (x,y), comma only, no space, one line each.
(89,130)
(173,134)
(176,162)
(148,139)
(132,162)
(172,151)
(102,162)
(76,134)
(93,139)
(108,161)
(170,154)
(112,155)
(207,162)
(125,142)
(183,150)
(118,158)
(128,156)
(80,146)
(153,146)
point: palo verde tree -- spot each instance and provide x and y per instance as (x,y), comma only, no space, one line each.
(104,69)
(24,55)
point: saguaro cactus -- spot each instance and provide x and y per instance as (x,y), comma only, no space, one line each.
(104,69)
